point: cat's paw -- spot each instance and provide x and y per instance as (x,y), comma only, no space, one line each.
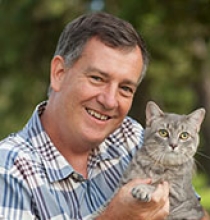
(142,192)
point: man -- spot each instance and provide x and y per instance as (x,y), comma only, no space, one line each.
(67,161)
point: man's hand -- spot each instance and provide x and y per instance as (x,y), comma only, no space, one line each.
(123,206)
(206,216)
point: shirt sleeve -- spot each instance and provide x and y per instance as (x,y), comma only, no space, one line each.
(15,198)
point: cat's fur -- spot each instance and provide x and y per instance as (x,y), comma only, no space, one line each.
(168,155)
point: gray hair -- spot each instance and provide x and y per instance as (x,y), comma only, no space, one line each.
(112,31)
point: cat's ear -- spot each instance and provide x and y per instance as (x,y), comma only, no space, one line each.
(197,117)
(152,111)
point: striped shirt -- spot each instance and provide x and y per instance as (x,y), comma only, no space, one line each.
(36,182)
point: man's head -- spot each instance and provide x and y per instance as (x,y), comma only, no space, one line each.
(110,30)
(97,67)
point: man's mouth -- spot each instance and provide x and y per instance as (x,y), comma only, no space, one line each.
(97,115)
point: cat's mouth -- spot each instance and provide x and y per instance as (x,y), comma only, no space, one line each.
(169,158)
(173,150)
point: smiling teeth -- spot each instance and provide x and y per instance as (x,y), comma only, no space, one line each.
(97,115)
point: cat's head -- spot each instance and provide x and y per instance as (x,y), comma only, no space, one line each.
(172,139)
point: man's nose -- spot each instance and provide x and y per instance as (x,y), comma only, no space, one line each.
(108,97)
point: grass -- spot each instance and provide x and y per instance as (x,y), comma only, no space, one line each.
(201,187)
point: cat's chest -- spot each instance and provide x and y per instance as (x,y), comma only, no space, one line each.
(158,172)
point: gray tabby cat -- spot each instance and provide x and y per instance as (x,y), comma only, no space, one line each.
(171,141)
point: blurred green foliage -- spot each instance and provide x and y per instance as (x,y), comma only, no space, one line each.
(177,34)
(28,36)
(200,184)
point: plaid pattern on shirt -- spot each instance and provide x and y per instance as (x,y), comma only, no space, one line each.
(36,182)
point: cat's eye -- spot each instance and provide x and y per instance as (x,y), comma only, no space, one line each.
(163,133)
(184,135)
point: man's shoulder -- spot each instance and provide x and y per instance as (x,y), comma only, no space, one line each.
(130,129)
(131,122)
(128,137)
(12,148)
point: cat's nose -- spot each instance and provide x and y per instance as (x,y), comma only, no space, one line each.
(173,145)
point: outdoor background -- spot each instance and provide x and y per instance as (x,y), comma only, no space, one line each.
(177,34)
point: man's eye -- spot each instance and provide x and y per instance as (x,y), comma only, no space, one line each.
(127,90)
(96,78)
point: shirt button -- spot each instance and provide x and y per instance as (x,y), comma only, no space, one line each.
(78,177)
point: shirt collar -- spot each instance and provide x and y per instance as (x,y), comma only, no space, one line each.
(56,166)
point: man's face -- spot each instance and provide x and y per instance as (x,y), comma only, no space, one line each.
(95,94)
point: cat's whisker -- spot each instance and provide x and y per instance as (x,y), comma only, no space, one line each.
(154,152)
(162,157)
(158,157)
(200,165)
(203,155)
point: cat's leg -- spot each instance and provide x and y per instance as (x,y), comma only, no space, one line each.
(143,192)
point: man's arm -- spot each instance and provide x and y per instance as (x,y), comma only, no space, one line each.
(15,197)
(123,206)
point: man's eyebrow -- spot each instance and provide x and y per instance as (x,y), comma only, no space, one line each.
(94,69)
(130,82)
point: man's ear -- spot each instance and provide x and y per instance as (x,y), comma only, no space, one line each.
(57,72)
